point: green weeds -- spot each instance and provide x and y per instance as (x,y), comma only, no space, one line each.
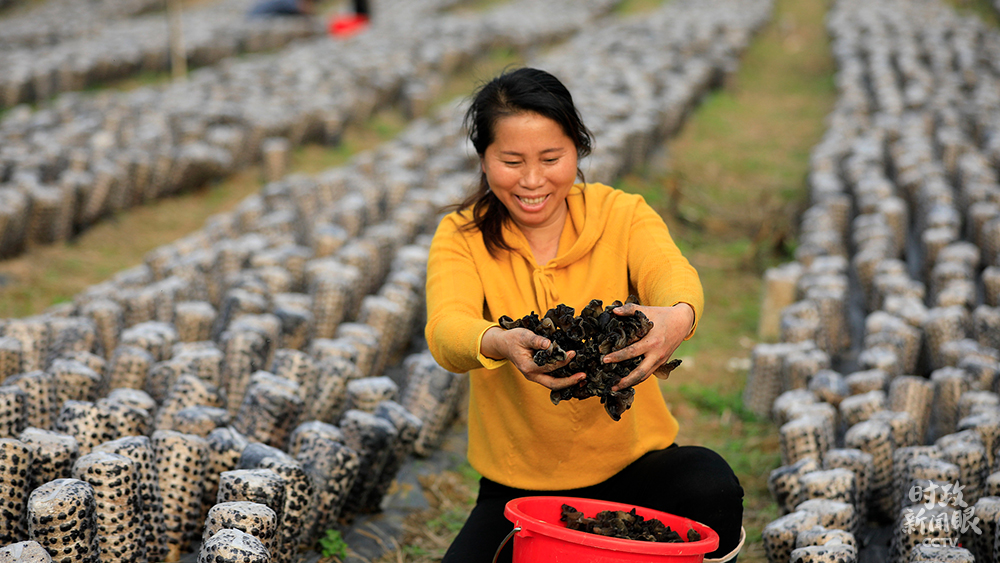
(714,400)
(333,545)
(628,7)
(983,9)
(451,520)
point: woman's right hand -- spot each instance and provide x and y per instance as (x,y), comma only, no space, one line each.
(518,346)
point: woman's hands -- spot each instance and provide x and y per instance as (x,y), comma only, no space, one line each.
(518,345)
(670,326)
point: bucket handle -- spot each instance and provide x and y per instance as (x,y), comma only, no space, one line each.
(505,540)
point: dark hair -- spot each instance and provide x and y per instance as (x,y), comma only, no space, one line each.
(514,92)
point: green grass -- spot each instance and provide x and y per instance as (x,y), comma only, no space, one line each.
(415,551)
(333,545)
(475,6)
(983,9)
(452,495)
(462,83)
(651,191)
(133,82)
(713,399)
(451,520)
(381,127)
(468,473)
(629,7)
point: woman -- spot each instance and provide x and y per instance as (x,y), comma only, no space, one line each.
(527,240)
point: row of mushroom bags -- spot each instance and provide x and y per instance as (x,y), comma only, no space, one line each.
(266,373)
(885,376)
(69,45)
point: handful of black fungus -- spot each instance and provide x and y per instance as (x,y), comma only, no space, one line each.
(596,332)
(624,525)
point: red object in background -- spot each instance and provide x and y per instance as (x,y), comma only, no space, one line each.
(346,26)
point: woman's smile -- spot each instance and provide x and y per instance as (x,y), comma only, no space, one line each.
(532,203)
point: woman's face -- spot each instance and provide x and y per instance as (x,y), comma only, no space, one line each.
(531,166)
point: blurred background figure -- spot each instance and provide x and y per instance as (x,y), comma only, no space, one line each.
(347,25)
(271,8)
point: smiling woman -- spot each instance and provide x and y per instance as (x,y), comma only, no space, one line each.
(513,108)
(530,238)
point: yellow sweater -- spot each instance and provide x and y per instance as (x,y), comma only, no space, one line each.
(613,244)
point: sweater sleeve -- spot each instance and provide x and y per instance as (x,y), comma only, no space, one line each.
(657,268)
(455,299)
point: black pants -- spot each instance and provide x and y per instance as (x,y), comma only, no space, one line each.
(361,7)
(689,481)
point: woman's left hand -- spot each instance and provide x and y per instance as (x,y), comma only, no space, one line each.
(670,326)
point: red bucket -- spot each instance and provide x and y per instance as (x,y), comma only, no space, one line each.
(543,538)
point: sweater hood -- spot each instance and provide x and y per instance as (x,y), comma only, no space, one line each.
(589,207)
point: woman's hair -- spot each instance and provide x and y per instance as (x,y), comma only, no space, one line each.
(515,92)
